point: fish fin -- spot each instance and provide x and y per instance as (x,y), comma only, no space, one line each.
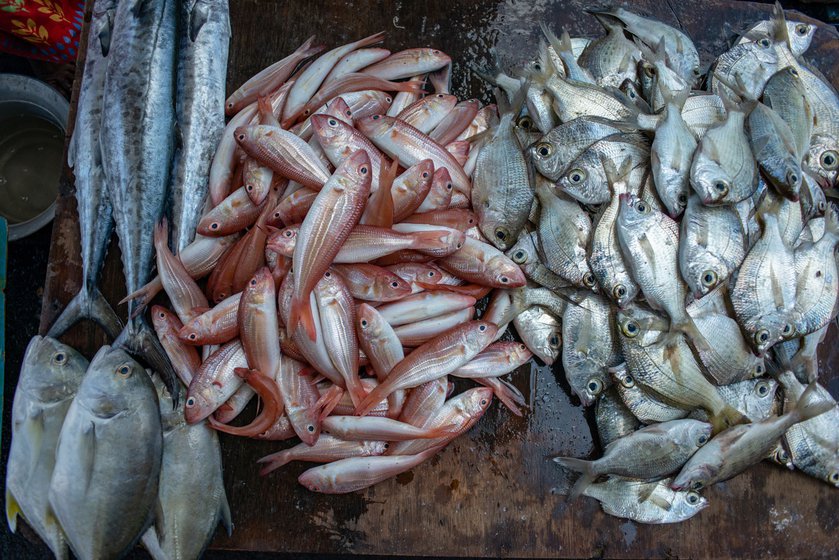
(355,388)
(509,395)
(615,174)
(87,304)
(726,418)
(459,151)
(12,511)
(560,45)
(140,341)
(225,516)
(380,392)
(658,501)
(586,478)
(105,33)
(806,408)
(301,312)
(274,461)
(198,16)
(780,33)
(381,201)
(151,542)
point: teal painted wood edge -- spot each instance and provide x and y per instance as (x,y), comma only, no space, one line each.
(4,235)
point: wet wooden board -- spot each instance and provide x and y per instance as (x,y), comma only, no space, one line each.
(493,491)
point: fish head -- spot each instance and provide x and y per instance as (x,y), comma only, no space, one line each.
(635,214)
(496,226)
(519,353)
(284,240)
(331,130)
(441,181)
(769,329)
(543,333)
(479,334)
(200,402)
(388,286)
(370,323)
(415,177)
(375,126)
(823,159)
(710,182)
(440,102)
(372,448)
(474,402)
(259,289)
(623,294)
(704,273)
(694,476)
(786,176)
(113,383)
(506,273)
(57,370)
(800,36)
(688,503)
(307,419)
(641,326)
(695,433)
(356,170)
(781,456)
(524,251)
(164,321)
(585,179)
(589,387)
(337,107)
(317,480)
(545,158)
(813,198)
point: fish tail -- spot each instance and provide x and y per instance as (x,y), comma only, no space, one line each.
(508,397)
(87,304)
(274,461)
(328,401)
(355,388)
(727,417)
(140,341)
(806,407)
(12,511)
(142,296)
(586,478)
(379,393)
(301,312)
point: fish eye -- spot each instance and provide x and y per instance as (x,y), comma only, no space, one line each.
(288,233)
(249,187)
(190,402)
(501,233)
(588,279)
(703,439)
(519,257)
(527,123)
(698,485)
(425,175)
(802,29)
(214,225)
(628,381)
(721,187)
(682,198)
(822,206)
(327,275)
(553,340)
(483,402)
(504,279)
(577,176)
(630,329)
(833,477)
(363,170)
(793,71)
(594,386)
(692,498)
(793,178)
(192,336)
(253,282)
(764,43)
(482,328)
(619,291)
(829,160)
(762,388)
(364,322)
(348,113)
(388,99)
(448,186)
(394,284)
(59,358)
(762,336)
(439,96)
(332,122)
(631,93)
(781,456)
(376,117)
(240,137)
(162,315)
(431,274)
(124,370)
(522,347)
(310,428)
(544,149)
(758,369)
(788,330)
(709,278)
(642,207)
(649,70)
(537,66)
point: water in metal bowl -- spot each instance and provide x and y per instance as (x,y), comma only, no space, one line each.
(32,124)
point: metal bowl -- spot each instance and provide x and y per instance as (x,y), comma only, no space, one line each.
(23,96)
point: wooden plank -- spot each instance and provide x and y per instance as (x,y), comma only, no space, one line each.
(490,492)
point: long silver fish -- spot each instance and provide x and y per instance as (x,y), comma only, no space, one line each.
(50,376)
(137,143)
(191,491)
(93,201)
(107,462)
(203,37)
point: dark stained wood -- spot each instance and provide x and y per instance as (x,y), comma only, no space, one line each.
(491,492)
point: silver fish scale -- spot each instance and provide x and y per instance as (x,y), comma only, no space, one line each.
(501,191)
(564,233)
(753,63)
(612,58)
(576,99)
(643,405)
(614,420)
(712,239)
(814,443)
(817,280)
(785,94)
(567,142)
(589,346)
(525,254)
(203,37)
(724,153)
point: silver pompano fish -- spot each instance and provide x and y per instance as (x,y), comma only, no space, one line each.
(711,246)
(562,145)
(92,198)
(50,376)
(191,492)
(646,502)
(814,444)
(501,191)
(203,37)
(107,462)
(671,154)
(137,142)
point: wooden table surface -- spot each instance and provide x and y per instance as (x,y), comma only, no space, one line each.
(493,491)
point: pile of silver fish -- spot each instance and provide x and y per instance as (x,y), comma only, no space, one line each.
(101,453)
(672,248)
(683,241)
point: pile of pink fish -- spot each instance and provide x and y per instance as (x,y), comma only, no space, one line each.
(344,265)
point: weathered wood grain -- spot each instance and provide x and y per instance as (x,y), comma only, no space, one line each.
(491,492)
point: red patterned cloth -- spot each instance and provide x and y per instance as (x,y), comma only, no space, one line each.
(42,29)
